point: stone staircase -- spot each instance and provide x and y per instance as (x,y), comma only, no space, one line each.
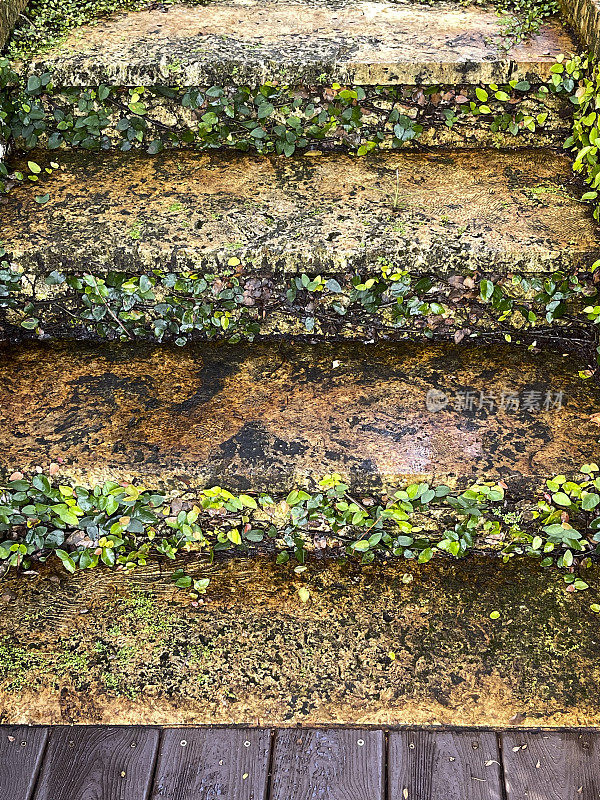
(319,246)
(378,271)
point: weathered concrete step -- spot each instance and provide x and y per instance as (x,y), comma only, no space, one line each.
(435,214)
(402,643)
(365,42)
(268,417)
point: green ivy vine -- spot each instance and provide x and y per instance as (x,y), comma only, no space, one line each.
(123,525)
(268,119)
(170,307)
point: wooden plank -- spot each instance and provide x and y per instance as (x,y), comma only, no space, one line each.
(444,765)
(21,752)
(552,766)
(328,765)
(98,763)
(228,763)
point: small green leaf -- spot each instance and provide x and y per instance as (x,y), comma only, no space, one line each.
(34,84)
(590,501)
(234,536)
(486,289)
(66,559)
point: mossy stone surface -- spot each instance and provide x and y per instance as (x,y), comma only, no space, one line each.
(430,213)
(396,644)
(362,42)
(9,12)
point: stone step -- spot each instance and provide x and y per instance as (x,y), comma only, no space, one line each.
(268,417)
(301,42)
(451,219)
(397,643)
(276,76)
(454,212)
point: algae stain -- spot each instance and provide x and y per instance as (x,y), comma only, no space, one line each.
(17,664)
(135,231)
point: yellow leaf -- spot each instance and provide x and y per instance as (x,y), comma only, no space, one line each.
(234,536)
(304,594)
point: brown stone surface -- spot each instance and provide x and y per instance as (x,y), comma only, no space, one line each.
(364,42)
(435,213)
(401,643)
(268,417)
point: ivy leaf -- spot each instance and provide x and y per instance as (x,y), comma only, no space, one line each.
(155,147)
(486,289)
(590,501)
(42,483)
(55,140)
(55,278)
(265,110)
(304,594)
(561,499)
(66,516)
(66,559)
(362,545)
(248,501)
(536,542)
(234,536)
(34,84)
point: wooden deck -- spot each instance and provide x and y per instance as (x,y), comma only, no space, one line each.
(148,763)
